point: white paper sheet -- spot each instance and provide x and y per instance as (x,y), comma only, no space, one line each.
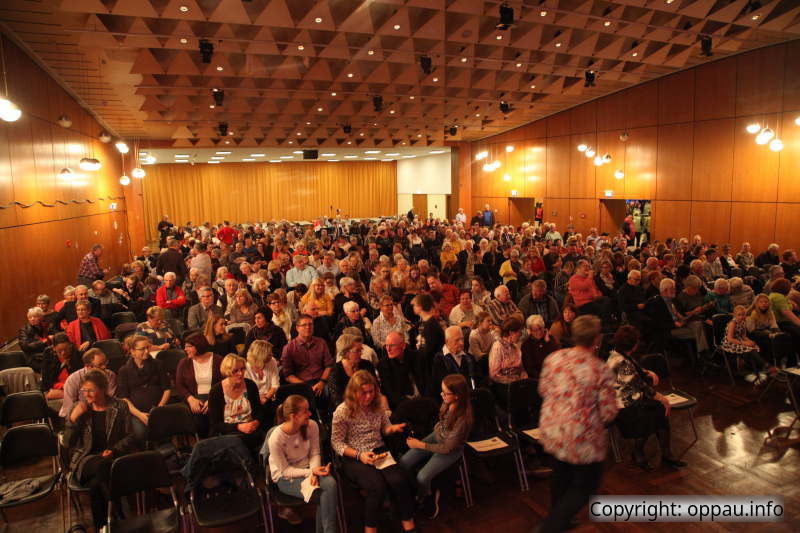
(386,462)
(675,399)
(534,433)
(307,489)
(495,443)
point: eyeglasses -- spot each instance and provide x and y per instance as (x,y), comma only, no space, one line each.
(238,370)
(443,393)
(88,391)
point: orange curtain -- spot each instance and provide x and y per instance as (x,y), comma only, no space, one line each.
(256,192)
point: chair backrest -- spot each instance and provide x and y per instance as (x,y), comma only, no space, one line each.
(23,406)
(138,472)
(237,333)
(176,326)
(718,324)
(23,443)
(116,362)
(170,359)
(657,363)
(18,379)
(524,403)
(484,414)
(123,317)
(284,391)
(168,421)
(125,330)
(14,359)
(111,347)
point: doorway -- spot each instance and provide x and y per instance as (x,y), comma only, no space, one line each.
(521,210)
(613,213)
(420,203)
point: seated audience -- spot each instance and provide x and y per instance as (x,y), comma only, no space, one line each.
(198,314)
(761,323)
(69,312)
(349,361)
(632,299)
(768,257)
(307,359)
(666,321)
(243,311)
(294,456)
(143,383)
(387,321)
(281,316)
(537,346)
(348,293)
(264,329)
(444,294)
(316,292)
(720,297)
(464,314)
(397,367)
(480,296)
(561,330)
(156,330)
(262,369)
(35,337)
(196,374)
(170,296)
(86,329)
(588,299)
(430,335)
(92,359)
(538,302)
(505,358)
(502,307)
(234,405)
(741,294)
(59,361)
(220,341)
(745,350)
(352,318)
(453,360)
(784,315)
(359,425)
(98,430)
(642,410)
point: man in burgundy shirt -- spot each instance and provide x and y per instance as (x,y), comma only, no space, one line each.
(307,359)
(447,293)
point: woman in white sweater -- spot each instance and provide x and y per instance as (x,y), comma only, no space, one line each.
(294,456)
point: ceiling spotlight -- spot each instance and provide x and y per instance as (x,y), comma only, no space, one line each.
(582,147)
(505,107)
(481,155)
(66,173)
(319,109)
(224,153)
(619,174)
(138,173)
(506,17)
(301,47)
(212,106)
(377,103)
(533,86)
(298,152)
(220,68)
(411,97)
(397,27)
(104,137)
(589,78)
(347,129)
(318,20)
(124,180)
(248,159)
(543,13)
(349,74)
(183,9)
(607,23)
(624,136)
(426,64)
(558,45)
(776,145)
(706,45)
(222,127)
(206,50)
(122,147)
(219,97)
(435,80)
(589,153)
(184,40)
(333,94)
(753,128)
(9,111)
(499,37)
(64,121)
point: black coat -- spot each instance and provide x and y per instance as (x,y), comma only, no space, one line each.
(30,338)
(216,408)
(51,367)
(172,261)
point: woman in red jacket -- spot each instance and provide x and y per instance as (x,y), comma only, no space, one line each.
(86,329)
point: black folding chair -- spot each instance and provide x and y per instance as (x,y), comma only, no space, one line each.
(488,439)
(659,364)
(170,359)
(14,359)
(719,324)
(24,444)
(522,409)
(29,406)
(123,317)
(138,473)
(125,330)
(172,432)
(111,347)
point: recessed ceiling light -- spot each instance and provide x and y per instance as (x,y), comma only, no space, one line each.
(362,133)
(350,156)
(274,160)
(183,9)
(499,37)
(349,74)
(607,23)
(181,155)
(248,159)
(333,94)
(291,142)
(213,162)
(419,135)
(318,20)
(181,160)
(212,106)
(387,159)
(227,142)
(287,157)
(333,160)
(393,154)
(391,112)
(299,134)
(542,13)
(397,26)
(301,47)
(220,157)
(533,86)
(371,52)
(756,16)
(370,158)
(635,54)
(349,142)
(477,114)
(463,59)
(435,80)
(558,45)
(328,155)
(319,109)
(257,155)
(308,123)
(184,40)
(437,151)
(374,123)
(223,153)
(519,65)
(297,152)
(408,156)
(411,97)
(372,152)
(220,68)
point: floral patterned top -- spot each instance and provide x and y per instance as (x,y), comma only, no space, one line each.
(578,400)
(362,432)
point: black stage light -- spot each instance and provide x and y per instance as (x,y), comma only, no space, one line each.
(206,50)
(589,76)
(505,107)
(706,44)
(347,128)
(219,96)
(377,103)
(453,130)
(426,64)
(310,154)
(506,17)
(222,127)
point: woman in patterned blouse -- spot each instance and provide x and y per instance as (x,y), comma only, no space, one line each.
(642,411)
(359,425)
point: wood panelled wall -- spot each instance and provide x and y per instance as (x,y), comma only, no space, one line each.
(253,192)
(42,245)
(687,150)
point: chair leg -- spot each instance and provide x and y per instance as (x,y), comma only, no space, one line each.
(726,358)
(694,427)
(521,474)
(340,513)
(262,497)
(465,483)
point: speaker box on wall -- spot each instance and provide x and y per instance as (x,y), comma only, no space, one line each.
(310,154)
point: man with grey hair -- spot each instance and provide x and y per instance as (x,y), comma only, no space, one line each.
(452,359)
(199,313)
(301,272)
(769,257)
(667,322)
(89,269)
(502,306)
(348,293)
(353,318)
(170,296)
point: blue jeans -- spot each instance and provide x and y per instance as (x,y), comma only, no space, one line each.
(326,514)
(437,463)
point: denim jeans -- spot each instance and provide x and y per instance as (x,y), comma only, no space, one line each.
(435,465)
(326,514)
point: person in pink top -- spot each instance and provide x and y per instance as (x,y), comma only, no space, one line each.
(578,403)
(585,294)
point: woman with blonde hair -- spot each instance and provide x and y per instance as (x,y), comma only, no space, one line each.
(233,404)
(243,311)
(359,425)
(316,292)
(262,369)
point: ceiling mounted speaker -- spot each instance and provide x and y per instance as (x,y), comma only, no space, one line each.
(310,154)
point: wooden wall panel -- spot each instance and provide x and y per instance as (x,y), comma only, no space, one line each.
(583,119)
(584,214)
(640,164)
(556,210)
(609,141)
(515,167)
(712,177)
(612,112)
(715,89)
(535,168)
(675,158)
(558,125)
(670,219)
(712,221)
(759,81)
(786,233)
(643,105)
(8,217)
(753,222)
(755,168)
(581,168)
(676,98)
(558,163)
(791,81)
(789,162)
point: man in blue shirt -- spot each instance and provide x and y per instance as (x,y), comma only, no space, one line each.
(488,216)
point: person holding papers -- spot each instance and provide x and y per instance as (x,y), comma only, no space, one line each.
(359,425)
(294,461)
(642,411)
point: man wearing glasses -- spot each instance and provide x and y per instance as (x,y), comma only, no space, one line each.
(306,358)
(93,358)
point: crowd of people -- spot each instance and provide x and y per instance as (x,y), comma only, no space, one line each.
(391,324)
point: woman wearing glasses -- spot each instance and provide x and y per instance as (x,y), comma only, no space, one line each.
(98,430)
(234,406)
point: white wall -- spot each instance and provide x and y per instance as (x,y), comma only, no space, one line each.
(404,203)
(424,175)
(437,204)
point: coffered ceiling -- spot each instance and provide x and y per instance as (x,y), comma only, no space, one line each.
(300,70)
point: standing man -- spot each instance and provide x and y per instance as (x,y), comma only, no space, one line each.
(172,261)
(578,401)
(164,227)
(410,215)
(226,233)
(461,217)
(488,216)
(89,269)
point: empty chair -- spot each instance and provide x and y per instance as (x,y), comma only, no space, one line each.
(138,473)
(25,406)
(111,347)
(123,317)
(28,443)
(170,359)
(171,430)
(125,330)
(12,360)
(19,379)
